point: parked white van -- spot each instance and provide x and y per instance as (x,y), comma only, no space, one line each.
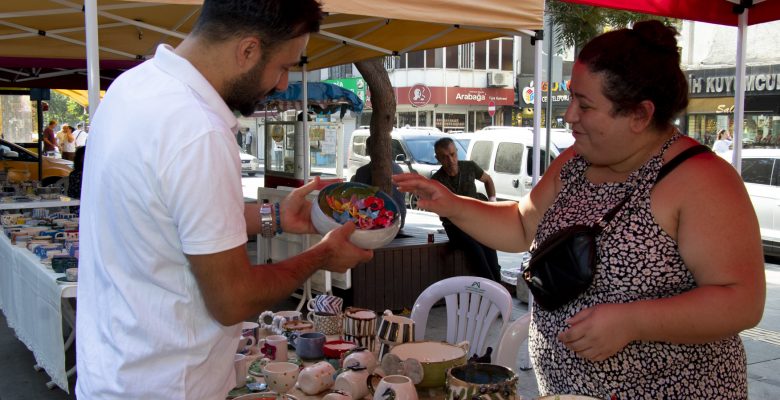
(506,154)
(412,150)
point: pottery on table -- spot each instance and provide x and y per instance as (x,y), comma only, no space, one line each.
(337,348)
(566,397)
(435,357)
(473,380)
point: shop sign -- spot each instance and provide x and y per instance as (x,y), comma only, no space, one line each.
(721,81)
(419,95)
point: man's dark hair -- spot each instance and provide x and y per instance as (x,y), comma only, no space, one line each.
(443,143)
(274,21)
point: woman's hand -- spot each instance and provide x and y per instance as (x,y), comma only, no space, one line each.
(295,210)
(598,332)
(432,195)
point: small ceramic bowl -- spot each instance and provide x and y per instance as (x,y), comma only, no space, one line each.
(335,348)
(436,358)
(367,239)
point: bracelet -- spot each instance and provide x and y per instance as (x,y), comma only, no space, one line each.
(278,219)
(266,220)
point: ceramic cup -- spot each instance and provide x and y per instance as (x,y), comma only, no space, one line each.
(324,303)
(67,235)
(241,367)
(360,357)
(316,378)
(293,329)
(394,329)
(72,274)
(309,345)
(245,342)
(281,376)
(360,326)
(394,386)
(329,324)
(274,347)
(273,321)
(250,329)
(353,382)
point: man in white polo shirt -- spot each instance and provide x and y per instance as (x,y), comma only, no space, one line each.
(165,279)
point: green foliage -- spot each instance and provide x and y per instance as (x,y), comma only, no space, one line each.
(576,24)
(64,110)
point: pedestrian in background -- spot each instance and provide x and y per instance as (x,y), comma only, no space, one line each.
(49,138)
(722,142)
(66,141)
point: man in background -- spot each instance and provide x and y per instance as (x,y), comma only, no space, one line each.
(458,177)
(49,139)
(81,135)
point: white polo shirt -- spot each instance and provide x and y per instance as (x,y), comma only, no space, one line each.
(143,331)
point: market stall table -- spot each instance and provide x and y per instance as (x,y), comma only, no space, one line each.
(31,299)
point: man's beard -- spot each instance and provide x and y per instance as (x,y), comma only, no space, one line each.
(243,93)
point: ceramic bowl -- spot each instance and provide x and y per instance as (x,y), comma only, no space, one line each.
(335,348)
(475,379)
(435,357)
(367,239)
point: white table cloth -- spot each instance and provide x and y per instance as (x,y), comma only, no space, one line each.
(30,298)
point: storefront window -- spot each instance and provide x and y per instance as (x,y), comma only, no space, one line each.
(407,118)
(449,122)
(480,58)
(493,54)
(507,52)
(433,58)
(416,59)
(452,57)
(481,119)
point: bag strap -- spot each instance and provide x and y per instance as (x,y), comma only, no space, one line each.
(678,159)
(665,170)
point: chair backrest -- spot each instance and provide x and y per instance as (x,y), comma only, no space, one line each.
(509,345)
(473,305)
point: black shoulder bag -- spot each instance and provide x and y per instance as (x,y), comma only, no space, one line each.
(562,267)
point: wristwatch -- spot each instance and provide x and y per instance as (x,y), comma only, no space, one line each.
(267,221)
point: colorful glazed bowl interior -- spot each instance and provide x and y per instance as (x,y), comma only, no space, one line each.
(374,212)
(436,358)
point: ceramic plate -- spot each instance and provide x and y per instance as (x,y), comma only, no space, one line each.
(64,279)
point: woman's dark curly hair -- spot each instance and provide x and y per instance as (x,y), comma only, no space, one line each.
(274,21)
(640,64)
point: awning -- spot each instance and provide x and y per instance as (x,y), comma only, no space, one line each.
(710,105)
(79,96)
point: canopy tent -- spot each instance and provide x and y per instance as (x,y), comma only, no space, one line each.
(322,97)
(79,96)
(739,13)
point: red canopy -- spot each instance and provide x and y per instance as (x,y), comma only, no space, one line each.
(712,11)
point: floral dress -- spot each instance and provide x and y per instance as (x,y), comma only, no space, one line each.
(637,260)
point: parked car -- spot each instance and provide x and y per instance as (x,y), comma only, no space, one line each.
(761,174)
(412,149)
(249,163)
(506,154)
(55,170)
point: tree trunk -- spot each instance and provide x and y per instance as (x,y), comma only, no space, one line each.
(382,119)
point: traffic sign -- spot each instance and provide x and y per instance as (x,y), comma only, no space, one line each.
(492,108)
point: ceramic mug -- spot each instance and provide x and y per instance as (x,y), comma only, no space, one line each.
(353,382)
(274,347)
(281,376)
(337,395)
(249,328)
(242,368)
(328,324)
(316,378)
(72,274)
(360,357)
(309,345)
(67,235)
(273,321)
(245,342)
(360,326)
(394,329)
(293,329)
(394,386)
(325,303)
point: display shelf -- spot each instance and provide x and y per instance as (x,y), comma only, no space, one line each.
(40,204)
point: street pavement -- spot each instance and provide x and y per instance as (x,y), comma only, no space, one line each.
(19,381)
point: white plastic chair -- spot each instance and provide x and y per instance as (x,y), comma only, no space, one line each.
(516,334)
(473,304)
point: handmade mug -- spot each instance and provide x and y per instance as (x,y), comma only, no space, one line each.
(67,235)
(273,321)
(293,329)
(393,386)
(324,303)
(242,368)
(274,347)
(394,329)
(309,345)
(316,378)
(329,324)
(360,357)
(360,326)
(353,381)
(249,328)
(244,343)
(337,395)
(281,376)
(72,274)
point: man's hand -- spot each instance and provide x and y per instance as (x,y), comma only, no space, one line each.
(295,210)
(599,332)
(340,252)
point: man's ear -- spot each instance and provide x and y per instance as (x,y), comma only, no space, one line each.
(643,116)
(247,52)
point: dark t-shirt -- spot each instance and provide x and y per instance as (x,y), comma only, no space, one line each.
(48,133)
(463,182)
